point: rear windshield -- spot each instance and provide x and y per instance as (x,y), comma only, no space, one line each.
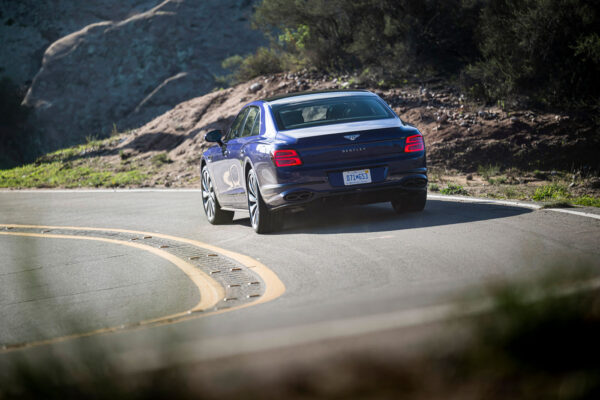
(329,111)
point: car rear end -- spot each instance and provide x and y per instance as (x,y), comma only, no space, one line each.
(363,156)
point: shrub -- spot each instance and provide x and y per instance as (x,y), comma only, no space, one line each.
(453,188)
(552,191)
(587,201)
(263,61)
(389,37)
(488,171)
(546,50)
(160,159)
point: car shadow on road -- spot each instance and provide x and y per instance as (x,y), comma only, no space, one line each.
(382,218)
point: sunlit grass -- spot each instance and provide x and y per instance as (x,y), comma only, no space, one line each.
(64,174)
(73,167)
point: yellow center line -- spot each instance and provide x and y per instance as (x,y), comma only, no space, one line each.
(211,292)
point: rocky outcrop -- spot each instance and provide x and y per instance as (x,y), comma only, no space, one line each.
(124,73)
(28,27)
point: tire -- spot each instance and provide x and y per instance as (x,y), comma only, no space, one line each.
(414,202)
(212,208)
(261,218)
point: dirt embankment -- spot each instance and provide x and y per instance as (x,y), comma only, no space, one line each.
(459,135)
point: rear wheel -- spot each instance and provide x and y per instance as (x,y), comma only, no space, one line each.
(212,208)
(262,219)
(413,202)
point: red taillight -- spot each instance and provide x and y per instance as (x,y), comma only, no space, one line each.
(414,143)
(286,158)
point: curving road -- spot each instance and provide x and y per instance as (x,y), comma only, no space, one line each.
(345,271)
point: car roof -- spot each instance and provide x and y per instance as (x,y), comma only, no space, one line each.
(307,96)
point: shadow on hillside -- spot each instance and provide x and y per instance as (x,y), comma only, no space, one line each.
(154,141)
(382,218)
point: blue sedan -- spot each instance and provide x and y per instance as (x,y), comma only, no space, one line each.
(308,149)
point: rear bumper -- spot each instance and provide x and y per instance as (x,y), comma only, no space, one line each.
(321,192)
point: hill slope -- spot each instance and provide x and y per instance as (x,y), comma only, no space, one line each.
(498,146)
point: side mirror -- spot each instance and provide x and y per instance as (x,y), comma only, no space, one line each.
(214,137)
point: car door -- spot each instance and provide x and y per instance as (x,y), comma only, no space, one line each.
(235,155)
(227,178)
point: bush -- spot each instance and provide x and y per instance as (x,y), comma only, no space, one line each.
(264,61)
(160,159)
(587,201)
(551,192)
(545,50)
(453,188)
(488,171)
(389,37)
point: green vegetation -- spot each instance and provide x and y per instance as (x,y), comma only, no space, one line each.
(488,171)
(434,187)
(72,167)
(64,174)
(546,51)
(264,61)
(453,188)
(160,159)
(501,180)
(552,191)
(587,201)
(558,196)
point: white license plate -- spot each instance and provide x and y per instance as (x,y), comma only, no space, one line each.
(357,177)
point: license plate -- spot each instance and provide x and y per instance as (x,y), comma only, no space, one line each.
(357,177)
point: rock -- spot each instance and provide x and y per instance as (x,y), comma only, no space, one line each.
(469,177)
(125,72)
(28,27)
(255,87)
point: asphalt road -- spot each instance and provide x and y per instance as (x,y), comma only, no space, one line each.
(344,270)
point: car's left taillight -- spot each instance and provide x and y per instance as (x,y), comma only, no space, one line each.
(414,144)
(286,158)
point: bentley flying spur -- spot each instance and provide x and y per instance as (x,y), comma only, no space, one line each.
(305,150)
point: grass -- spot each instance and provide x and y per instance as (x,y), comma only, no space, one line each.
(64,174)
(160,159)
(552,191)
(454,189)
(501,180)
(587,201)
(73,167)
(557,195)
(487,171)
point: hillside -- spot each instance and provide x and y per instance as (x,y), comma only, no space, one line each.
(487,150)
(87,67)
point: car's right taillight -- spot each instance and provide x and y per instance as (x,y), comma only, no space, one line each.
(286,158)
(414,143)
